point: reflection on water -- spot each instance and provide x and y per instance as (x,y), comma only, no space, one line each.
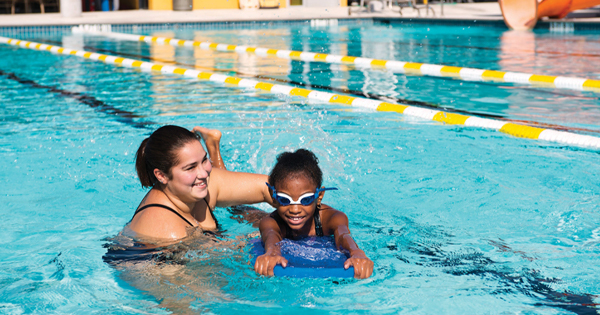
(549,54)
(529,52)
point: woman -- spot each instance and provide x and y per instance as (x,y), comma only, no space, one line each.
(185,187)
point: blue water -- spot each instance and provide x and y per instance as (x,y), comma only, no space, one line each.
(457,220)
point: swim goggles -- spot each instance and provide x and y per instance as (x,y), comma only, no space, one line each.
(305,200)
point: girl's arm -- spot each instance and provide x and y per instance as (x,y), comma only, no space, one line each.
(271,235)
(338,223)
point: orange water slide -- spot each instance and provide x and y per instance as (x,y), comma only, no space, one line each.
(523,14)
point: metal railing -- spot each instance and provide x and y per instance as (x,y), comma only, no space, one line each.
(400,4)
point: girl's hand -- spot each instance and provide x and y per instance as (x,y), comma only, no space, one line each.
(363,266)
(265,263)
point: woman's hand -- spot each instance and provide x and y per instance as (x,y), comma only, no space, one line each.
(265,263)
(363,266)
(212,139)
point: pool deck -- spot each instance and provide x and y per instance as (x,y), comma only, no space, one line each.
(457,11)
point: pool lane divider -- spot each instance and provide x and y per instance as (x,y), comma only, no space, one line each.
(410,68)
(340,90)
(344,91)
(513,129)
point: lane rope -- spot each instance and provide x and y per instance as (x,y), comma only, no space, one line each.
(513,129)
(389,99)
(409,68)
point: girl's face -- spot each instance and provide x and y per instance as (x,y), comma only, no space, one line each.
(189,177)
(298,217)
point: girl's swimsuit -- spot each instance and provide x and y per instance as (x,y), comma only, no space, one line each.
(177,213)
(288,231)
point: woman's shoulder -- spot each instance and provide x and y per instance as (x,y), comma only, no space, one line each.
(156,221)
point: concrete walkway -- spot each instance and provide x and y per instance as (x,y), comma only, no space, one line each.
(454,11)
(460,11)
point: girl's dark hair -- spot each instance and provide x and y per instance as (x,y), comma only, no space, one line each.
(159,151)
(291,164)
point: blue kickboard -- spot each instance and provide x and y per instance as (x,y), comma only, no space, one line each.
(311,257)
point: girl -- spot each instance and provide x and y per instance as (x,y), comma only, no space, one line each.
(293,185)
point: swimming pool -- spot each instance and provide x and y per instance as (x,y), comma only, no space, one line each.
(456,219)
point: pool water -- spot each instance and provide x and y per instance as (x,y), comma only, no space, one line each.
(457,219)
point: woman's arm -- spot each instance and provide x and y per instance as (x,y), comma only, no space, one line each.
(236,188)
(230,188)
(271,235)
(338,223)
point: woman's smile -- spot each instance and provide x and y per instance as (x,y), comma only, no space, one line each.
(200,184)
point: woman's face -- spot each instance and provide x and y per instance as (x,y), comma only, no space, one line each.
(297,217)
(189,177)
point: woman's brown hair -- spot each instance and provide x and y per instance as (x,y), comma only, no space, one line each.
(159,151)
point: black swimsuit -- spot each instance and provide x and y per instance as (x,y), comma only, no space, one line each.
(177,213)
(288,231)
(118,253)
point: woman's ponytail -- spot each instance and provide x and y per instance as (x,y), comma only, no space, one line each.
(141,166)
